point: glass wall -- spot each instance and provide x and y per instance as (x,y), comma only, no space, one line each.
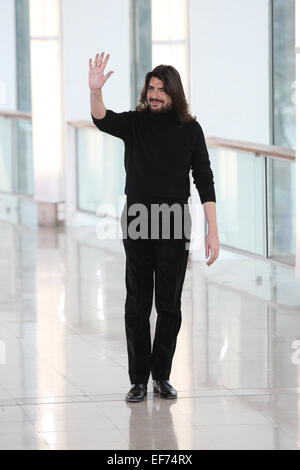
(100,167)
(5,154)
(281,194)
(23,55)
(23,161)
(256,209)
(281,177)
(238,180)
(141,50)
(284,73)
(16,160)
(16,165)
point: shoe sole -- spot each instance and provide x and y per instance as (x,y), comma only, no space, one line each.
(162,395)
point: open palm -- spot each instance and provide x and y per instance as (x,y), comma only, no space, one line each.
(96,72)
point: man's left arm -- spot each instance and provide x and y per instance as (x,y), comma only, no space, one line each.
(204,182)
(212,239)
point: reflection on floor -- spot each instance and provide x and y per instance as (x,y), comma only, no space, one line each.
(63,358)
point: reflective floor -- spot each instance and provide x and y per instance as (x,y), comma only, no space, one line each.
(63,358)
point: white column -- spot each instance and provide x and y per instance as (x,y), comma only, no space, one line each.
(297,42)
(48,123)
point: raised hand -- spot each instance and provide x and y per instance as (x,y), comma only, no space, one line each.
(96,72)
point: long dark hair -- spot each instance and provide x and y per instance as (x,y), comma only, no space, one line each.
(173,87)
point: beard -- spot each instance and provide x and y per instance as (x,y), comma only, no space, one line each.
(160,109)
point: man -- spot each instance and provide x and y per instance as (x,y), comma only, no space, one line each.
(162,143)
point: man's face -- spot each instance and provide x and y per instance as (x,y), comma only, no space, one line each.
(158,100)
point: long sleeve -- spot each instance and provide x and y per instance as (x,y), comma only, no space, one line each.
(201,170)
(116,124)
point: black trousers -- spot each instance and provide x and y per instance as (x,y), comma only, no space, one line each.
(159,263)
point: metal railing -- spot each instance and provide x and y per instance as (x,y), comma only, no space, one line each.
(255,188)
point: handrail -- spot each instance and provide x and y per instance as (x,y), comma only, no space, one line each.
(266,150)
(16,114)
(82,124)
(272,151)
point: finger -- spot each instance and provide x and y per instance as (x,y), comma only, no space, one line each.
(212,258)
(212,254)
(90,64)
(105,61)
(95,60)
(99,63)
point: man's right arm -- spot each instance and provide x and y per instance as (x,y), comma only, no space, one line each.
(98,109)
(96,82)
(116,124)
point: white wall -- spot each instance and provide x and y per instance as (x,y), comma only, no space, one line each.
(229,43)
(89,27)
(7,56)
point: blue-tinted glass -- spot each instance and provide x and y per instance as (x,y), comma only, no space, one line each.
(24,180)
(23,55)
(284,73)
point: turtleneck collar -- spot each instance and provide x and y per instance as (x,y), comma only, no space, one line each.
(166,116)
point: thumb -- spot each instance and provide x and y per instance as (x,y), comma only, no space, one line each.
(108,75)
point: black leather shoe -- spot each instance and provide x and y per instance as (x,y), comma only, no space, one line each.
(137,392)
(164,388)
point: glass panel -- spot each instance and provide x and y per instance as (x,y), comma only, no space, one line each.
(9,208)
(100,169)
(239,196)
(23,55)
(284,73)
(28,212)
(281,210)
(141,46)
(5,155)
(24,182)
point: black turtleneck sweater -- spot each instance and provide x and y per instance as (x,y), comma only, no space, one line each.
(159,154)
